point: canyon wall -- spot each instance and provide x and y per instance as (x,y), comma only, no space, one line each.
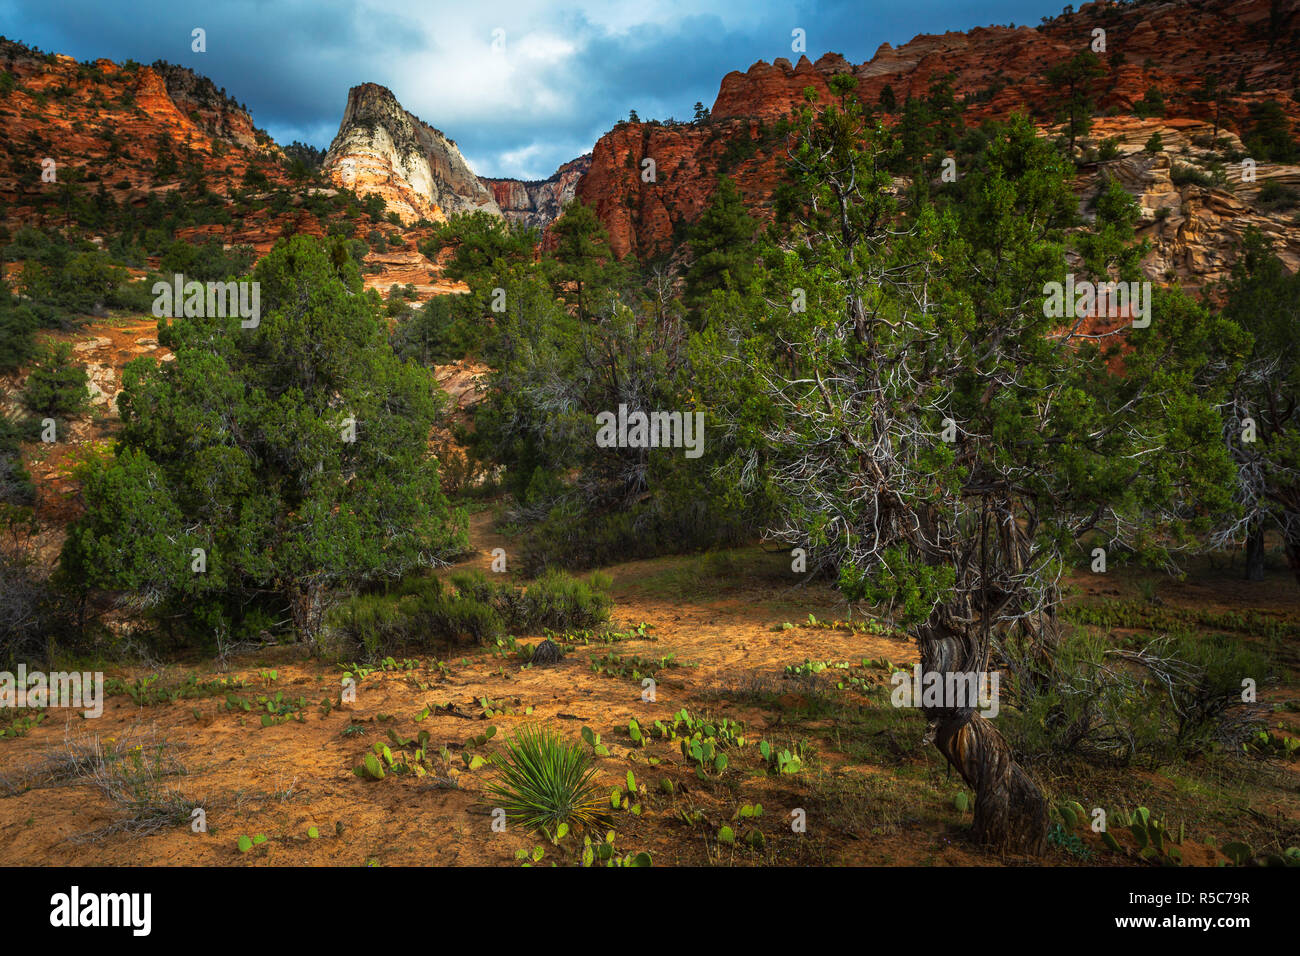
(1252,46)
(539,203)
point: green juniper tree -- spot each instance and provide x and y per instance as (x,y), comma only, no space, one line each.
(1261,419)
(56,385)
(582,263)
(1074,80)
(940,442)
(266,467)
(1270,138)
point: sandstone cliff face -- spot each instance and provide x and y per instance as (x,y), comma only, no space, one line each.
(1168,44)
(384,150)
(644,217)
(1171,44)
(209,108)
(1193,230)
(538,204)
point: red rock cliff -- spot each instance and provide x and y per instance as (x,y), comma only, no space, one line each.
(998,70)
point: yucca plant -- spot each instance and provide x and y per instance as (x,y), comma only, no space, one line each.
(545,782)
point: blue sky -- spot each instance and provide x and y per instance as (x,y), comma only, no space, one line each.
(566,72)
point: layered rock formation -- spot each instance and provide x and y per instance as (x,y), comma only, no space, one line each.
(382,149)
(644,217)
(538,203)
(206,106)
(1251,46)
(1171,44)
(1194,230)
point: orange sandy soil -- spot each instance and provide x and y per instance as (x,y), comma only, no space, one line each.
(889,805)
(281,780)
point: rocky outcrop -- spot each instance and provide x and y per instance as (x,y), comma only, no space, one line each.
(538,203)
(644,214)
(208,107)
(1193,229)
(383,150)
(1252,46)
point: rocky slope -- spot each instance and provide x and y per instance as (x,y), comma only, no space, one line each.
(1252,46)
(1194,230)
(1171,44)
(109,126)
(382,149)
(538,203)
(128,139)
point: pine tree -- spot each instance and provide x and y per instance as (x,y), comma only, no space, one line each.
(1270,139)
(583,262)
(1261,422)
(1074,79)
(721,241)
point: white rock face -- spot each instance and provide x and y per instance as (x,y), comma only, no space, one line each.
(382,149)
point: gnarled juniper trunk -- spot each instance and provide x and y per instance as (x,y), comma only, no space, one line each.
(1255,552)
(307,607)
(1010,812)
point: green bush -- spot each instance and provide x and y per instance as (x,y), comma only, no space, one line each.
(206,262)
(18,323)
(1184,175)
(422,612)
(1270,138)
(55,385)
(559,601)
(295,455)
(1152,104)
(444,329)
(555,600)
(1173,697)
(35,616)
(465,620)
(569,537)
(1277,195)
(370,622)
(15,483)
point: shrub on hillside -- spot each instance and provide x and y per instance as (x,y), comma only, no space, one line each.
(1184,175)
(207,262)
(15,483)
(56,385)
(1278,195)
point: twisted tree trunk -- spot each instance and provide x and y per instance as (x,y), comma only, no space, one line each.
(1255,552)
(1010,811)
(307,608)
